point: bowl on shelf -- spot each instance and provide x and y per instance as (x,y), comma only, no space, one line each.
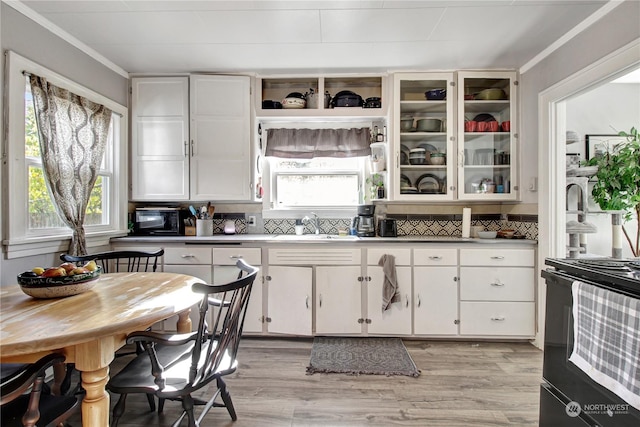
(429,125)
(438,159)
(436,94)
(490,94)
(487,234)
(57,287)
(506,234)
(418,156)
(406,125)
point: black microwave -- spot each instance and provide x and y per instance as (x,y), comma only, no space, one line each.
(159,221)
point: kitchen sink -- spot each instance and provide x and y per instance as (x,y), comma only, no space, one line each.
(314,237)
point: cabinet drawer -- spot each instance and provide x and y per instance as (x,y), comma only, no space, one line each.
(229,256)
(497,257)
(497,284)
(497,318)
(188,255)
(313,256)
(402,255)
(435,256)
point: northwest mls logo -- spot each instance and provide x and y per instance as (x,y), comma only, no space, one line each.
(573,409)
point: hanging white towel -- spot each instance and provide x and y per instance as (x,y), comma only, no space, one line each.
(390,292)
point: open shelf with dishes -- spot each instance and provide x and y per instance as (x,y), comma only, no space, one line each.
(487,137)
(422,136)
(349,96)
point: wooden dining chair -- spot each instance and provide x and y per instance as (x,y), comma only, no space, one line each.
(176,366)
(38,407)
(114,262)
(119,261)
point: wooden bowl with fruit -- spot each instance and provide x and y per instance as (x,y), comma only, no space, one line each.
(65,280)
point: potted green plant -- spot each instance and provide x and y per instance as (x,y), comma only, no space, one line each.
(376,186)
(618,182)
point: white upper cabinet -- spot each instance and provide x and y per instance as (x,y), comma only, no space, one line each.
(487,135)
(423,137)
(191,138)
(220,137)
(160,134)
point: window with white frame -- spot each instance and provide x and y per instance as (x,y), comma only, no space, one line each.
(31,217)
(318,182)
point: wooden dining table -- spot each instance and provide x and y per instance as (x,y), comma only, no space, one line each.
(88,328)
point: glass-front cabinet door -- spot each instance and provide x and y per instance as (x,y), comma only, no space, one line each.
(423,141)
(487,136)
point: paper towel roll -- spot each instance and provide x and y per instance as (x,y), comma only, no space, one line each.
(466,222)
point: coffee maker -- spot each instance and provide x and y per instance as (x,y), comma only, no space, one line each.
(364,223)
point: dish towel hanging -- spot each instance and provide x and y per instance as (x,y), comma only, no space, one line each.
(390,292)
(606,343)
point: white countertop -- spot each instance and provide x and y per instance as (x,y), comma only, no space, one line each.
(313,239)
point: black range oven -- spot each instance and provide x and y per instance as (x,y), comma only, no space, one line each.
(568,396)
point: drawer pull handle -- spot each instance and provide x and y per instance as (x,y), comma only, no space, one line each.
(306,301)
(497,284)
(498,318)
(235,256)
(419,301)
(320,300)
(407,300)
(188,256)
(435,257)
(497,257)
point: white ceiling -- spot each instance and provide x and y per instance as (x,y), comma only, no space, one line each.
(315,36)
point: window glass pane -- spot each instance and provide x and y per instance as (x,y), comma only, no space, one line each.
(320,182)
(97,211)
(32,145)
(42,214)
(317,190)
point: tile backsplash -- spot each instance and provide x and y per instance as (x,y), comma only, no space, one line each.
(421,225)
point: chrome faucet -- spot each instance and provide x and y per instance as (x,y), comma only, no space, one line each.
(313,221)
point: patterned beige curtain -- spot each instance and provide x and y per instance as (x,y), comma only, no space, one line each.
(73,134)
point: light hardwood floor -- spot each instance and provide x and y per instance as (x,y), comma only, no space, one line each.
(461,384)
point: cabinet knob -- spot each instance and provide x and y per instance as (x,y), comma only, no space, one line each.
(368,321)
(268,278)
(268,319)
(360,278)
(361,320)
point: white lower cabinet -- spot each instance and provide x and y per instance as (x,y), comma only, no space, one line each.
(396,319)
(435,296)
(289,300)
(194,261)
(497,292)
(225,271)
(338,300)
(435,291)
(497,318)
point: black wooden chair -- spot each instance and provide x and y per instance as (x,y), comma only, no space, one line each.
(114,262)
(38,407)
(175,366)
(120,261)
